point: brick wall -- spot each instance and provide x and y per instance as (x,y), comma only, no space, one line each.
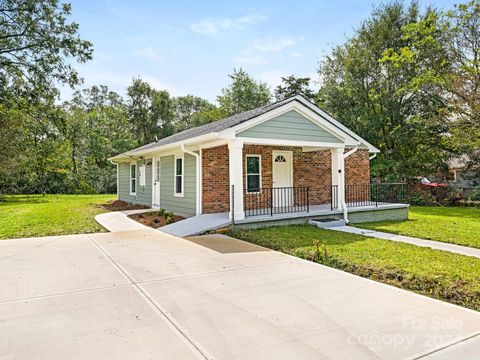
(215,180)
(310,169)
(357,177)
(357,168)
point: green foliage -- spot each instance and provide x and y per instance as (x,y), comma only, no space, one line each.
(150,112)
(35,41)
(292,86)
(188,110)
(377,87)
(243,94)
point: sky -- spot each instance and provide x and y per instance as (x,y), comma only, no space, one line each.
(190,47)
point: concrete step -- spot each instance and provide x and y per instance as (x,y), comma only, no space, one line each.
(327,223)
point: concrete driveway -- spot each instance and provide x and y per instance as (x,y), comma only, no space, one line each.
(142,294)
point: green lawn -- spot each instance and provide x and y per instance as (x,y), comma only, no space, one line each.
(438,274)
(457,225)
(38,215)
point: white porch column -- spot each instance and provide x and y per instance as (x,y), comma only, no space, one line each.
(338,174)
(235,161)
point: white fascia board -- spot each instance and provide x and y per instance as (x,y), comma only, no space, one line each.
(280,142)
(164,148)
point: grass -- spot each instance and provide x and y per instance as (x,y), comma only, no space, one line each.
(456,225)
(438,274)
(42,215)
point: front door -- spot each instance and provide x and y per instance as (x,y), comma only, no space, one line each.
(282,178)
(156,182)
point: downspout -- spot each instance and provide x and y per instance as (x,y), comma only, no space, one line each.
(118,187)
(373,156)
(344,205)
(197,176)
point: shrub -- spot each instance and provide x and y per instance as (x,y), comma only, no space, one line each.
(422,197)
(161,212)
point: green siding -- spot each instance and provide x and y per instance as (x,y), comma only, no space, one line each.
(186,205)
(144,193)
(290,126)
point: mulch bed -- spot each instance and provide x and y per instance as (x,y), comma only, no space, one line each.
(119,205)
(152,219)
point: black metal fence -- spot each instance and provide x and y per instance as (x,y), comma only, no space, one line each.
(276,200)
(371,194)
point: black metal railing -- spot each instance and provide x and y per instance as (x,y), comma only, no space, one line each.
(371,194)
(276,200)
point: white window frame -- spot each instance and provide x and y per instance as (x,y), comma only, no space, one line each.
(175,193)
(259,173)
(133,192)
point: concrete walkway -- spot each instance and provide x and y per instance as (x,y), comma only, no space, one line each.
(458,249)
(143,294)
(196,224)
(119,220)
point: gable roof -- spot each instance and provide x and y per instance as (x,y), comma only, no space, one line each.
(238,119)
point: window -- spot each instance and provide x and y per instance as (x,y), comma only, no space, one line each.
(133,179)
(253,173)
(280,158)
(178,176)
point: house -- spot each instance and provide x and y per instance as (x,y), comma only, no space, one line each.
(284,158)
(460,175)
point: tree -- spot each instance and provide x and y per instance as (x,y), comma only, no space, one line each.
(95,127)
(464,89)
(243,94)
(445,50)
(150,112)
(35,42)
(380,97)
(187,109)
(292,86)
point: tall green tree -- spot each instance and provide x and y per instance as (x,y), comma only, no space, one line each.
(445,51)
(292,86)
(383,100)
(150,112)
(187,110)
(464,90)
(243,93)
(36,39)
(95,127)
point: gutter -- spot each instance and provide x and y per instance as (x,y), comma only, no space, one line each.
(197,176)
(344,205)
(157,149)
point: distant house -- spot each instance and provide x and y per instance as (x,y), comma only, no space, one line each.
(459,175)
(282,158)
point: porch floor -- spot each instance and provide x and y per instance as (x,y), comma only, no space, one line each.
(202,223)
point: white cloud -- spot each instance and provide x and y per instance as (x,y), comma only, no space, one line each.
(296,55)
(255,53)
(220,26)
(150,53)
(273,45)
(248,58)
(272,77)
